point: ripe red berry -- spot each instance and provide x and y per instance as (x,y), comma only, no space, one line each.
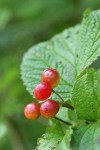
(49,108)
(32,111)
(42,91)
(50,76)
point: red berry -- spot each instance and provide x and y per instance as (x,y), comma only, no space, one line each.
(42,91)
(49,108)
(50,76)
(32,111)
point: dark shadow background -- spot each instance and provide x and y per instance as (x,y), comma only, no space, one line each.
(24,23)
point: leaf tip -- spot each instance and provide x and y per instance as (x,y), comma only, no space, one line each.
(87,12)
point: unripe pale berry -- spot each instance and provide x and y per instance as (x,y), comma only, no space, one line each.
(49,108)
(32,111)
(42,91)
(50,76)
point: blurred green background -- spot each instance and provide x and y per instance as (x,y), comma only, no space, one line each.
(24,23)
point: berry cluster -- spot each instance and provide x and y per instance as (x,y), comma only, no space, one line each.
(49,108)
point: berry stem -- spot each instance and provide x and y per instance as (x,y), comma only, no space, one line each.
(68,106)
(89,121)
(63,104)
(58,95)
(62,121)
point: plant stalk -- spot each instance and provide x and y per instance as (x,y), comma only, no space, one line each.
(68,106)
(62,121)
(63,104)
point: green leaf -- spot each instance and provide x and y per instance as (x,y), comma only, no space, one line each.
(86,96)
(66,52)
(5,16)
(86,137)
(5,143)
(67,115)
(58,53)
(63,114)
(89,48)
(51,139)
(65,143)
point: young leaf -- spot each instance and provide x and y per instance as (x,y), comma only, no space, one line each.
(89,48)
(86,96)
(51,139)
(86,137)
(63,114)
(65,143)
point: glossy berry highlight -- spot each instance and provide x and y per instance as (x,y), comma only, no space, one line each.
(50,76)
(32,111)
(49,108)
(42,91)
